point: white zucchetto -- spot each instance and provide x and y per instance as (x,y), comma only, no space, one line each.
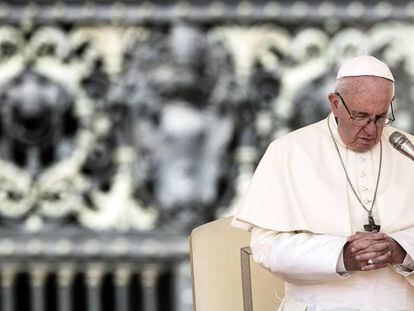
(365,65)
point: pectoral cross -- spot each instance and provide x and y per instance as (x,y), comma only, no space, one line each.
(371,226)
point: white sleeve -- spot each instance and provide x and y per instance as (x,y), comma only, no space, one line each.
(408,263)
(299,256)
(406,239)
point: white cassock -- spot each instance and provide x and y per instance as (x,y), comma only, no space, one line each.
(301,209)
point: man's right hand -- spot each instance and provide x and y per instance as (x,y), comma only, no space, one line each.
(363,246)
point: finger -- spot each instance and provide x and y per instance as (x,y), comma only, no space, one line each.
(360,245)
(374,256)
(379,262)
(374,267)
(375,247)
(354,237)
(359,234)
(357,246)
(382,259)
(367,235)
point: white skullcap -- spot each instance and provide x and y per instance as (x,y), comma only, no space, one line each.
(365,65)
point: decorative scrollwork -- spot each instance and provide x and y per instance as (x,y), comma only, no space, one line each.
(136,128)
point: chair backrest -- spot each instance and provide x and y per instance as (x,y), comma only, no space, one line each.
(216,250)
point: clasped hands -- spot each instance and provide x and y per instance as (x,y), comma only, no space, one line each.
(377,247)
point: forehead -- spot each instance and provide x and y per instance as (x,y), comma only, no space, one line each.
(364,83)
(368,94)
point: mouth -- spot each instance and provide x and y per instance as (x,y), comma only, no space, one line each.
(367,141)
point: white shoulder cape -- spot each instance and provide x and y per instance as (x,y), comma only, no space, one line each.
(300,185)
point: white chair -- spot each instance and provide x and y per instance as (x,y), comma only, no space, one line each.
(224,276)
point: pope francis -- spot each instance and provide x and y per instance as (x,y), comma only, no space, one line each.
(331,205)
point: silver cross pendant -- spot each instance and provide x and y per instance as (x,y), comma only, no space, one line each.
(371,226)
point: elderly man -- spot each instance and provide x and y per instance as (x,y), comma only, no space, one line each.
(330,205)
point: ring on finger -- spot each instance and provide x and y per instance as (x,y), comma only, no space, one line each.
(370,262)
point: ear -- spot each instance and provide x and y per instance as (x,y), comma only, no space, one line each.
(334,101)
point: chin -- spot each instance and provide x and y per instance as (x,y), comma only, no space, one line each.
(362,147)
(359,149)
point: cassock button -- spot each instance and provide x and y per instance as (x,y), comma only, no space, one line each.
(361,159)
(364,188)
(362,174)
(367,201)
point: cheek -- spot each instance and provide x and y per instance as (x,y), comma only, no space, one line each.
(350,132)
(347,128)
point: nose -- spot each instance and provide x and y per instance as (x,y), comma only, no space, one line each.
(371,128)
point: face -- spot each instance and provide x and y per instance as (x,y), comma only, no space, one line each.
(365,97)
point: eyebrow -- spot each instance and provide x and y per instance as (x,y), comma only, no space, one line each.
(367,114)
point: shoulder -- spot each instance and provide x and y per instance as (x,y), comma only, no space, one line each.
(308,135)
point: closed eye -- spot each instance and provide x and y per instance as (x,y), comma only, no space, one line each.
(364,115)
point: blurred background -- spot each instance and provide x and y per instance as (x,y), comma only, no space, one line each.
(125,124)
